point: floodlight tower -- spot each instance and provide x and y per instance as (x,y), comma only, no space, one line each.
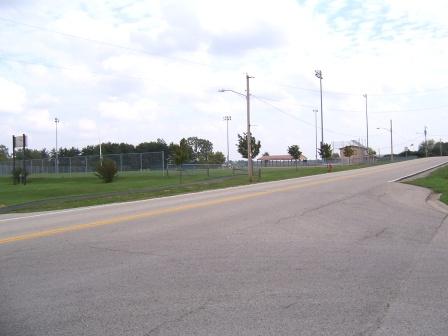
(318,74)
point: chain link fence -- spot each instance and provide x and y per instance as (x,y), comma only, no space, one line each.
(87,164)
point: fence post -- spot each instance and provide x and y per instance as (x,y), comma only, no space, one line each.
(86,164)
(163,164)
(121,162)
(141,162)
(70,165)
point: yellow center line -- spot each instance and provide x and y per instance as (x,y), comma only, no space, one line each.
(175,209)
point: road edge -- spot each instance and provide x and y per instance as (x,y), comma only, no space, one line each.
(415,174)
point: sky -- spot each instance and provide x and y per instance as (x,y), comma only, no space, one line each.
(134,71)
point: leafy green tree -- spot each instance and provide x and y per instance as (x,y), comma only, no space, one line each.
(90,150)
(242,146)
(68,152)
(439,147)
(216,158)
(4,154)
(44,154)
(371,152)
(325,151)
(429,145)
(152,146)
(180,153)
(201,149)
(295,152)
(30,154)
(348,152)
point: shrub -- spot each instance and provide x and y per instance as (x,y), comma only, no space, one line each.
(19,175)
(107,170)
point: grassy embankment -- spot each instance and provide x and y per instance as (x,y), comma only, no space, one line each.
(48,192)
(436,181)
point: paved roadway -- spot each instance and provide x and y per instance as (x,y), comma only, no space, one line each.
(337,254)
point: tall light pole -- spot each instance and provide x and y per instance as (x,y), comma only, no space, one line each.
(367,126)
(248,136)
(426,143)
(391,140)
(315,123)
(56,163)
(227,119)
(318,74)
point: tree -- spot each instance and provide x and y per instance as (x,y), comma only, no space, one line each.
(180,153)
(152,146)
(348,152)
(201,148)
(325,151)
(90,150)
(30,154)
(216,158)
(242,146)
(295,152)
(4,154)
(69,152)
(429,145)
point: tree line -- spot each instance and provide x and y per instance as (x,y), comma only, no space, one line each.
(196,150)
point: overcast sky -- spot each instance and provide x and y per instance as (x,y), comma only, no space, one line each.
(133,71)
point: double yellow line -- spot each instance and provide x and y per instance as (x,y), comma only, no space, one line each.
(174,209)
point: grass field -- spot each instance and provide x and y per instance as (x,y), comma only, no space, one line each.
(437,181)
(48,192)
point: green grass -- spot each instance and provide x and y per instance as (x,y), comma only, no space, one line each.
(49,192)
(436,181)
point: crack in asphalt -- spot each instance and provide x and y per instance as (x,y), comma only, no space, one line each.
(380,321)
(320,207)
(374,235)
(178,319)
(110,249)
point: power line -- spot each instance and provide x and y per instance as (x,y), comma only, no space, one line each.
(107,44)
(155,54)
(374,112)
(294,116)
(58,67)
(408,93)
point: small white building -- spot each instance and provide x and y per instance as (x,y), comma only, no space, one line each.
(360,152)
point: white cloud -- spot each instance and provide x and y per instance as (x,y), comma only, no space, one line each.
(87,125)
(12,96)
(191,49)
(121,110)
(39,120)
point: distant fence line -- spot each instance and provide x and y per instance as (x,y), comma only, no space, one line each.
(155,161)
(88,163)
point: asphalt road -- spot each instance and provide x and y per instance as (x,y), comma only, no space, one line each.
(346,253)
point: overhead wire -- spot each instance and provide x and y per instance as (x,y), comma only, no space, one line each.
(295,117)
(104,43)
